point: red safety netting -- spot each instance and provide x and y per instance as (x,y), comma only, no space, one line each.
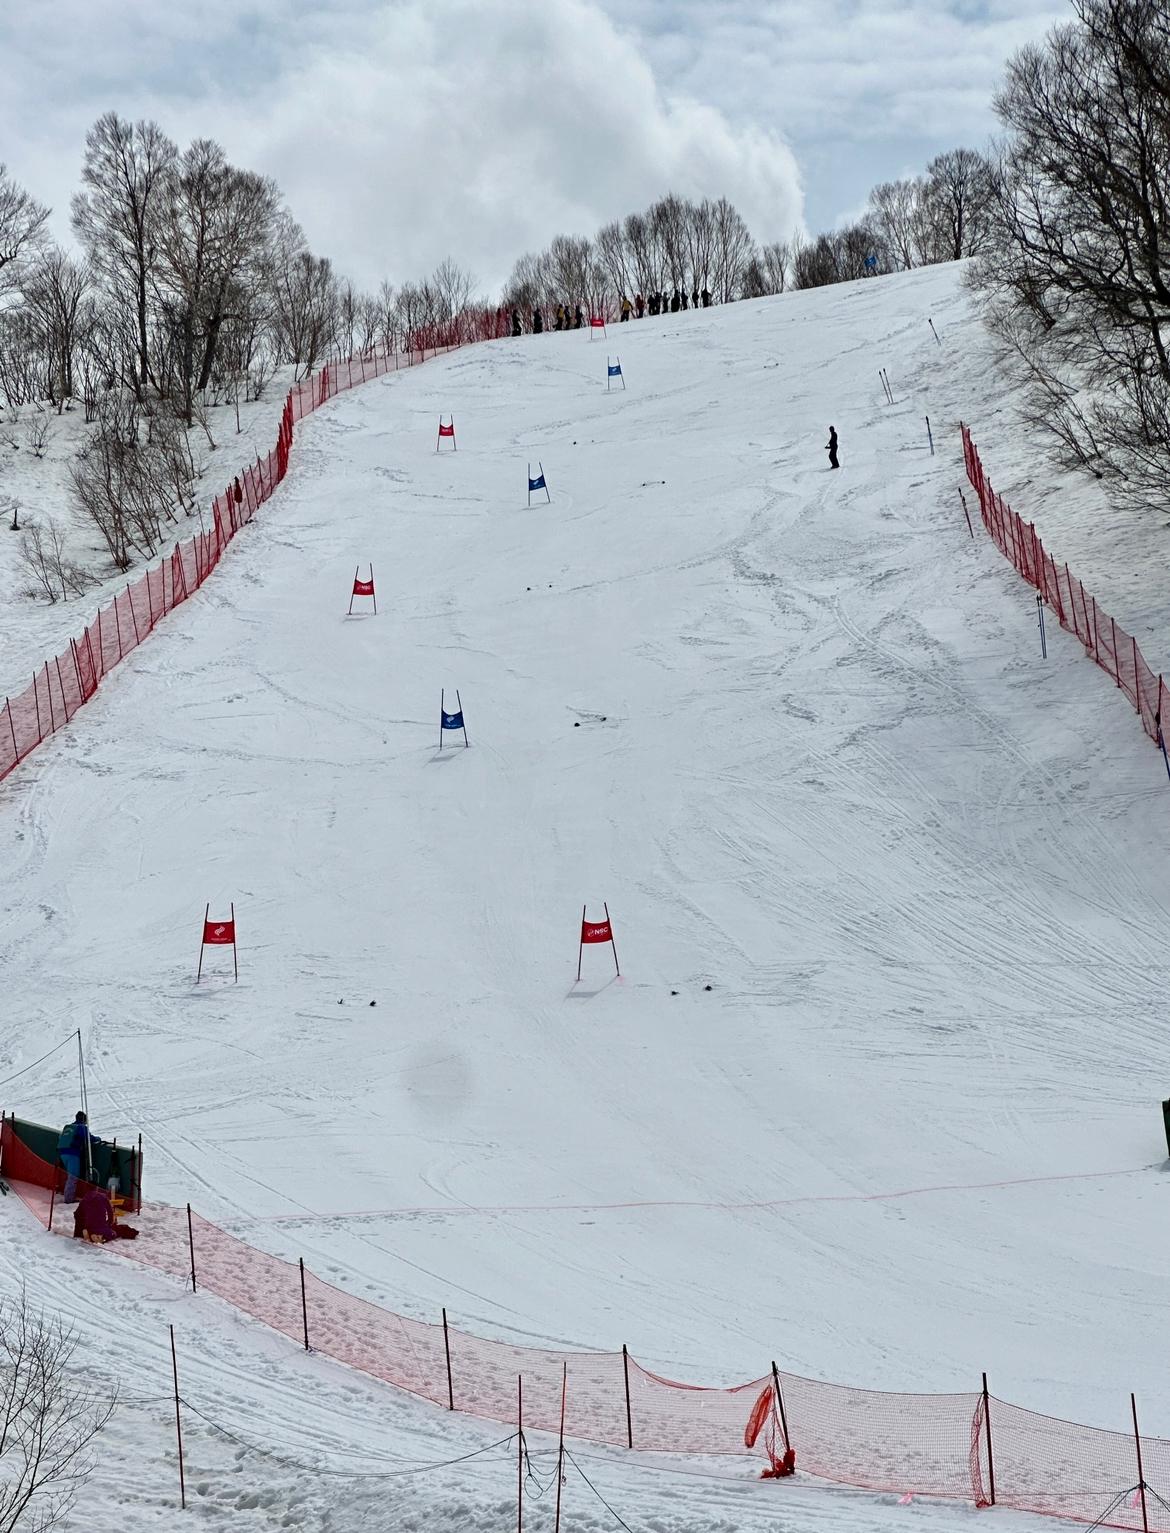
(1114,650)
(69,680)
(970,1447)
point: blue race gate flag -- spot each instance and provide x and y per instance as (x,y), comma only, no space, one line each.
(613,369)
(537,482)
(451,720)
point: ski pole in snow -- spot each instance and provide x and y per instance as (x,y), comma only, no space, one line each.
(929,436)
(933,331)
(1040,620)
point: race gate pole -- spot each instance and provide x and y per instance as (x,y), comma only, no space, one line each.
(206,914)
(459,705)
(235,952)
(356,568)
(612,943)
(581,942)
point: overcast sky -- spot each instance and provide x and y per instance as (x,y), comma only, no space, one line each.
(403,131)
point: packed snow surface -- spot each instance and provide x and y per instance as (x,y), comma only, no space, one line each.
(876,1094)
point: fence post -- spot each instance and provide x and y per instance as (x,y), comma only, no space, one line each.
(12,727)
(629,1412)
(561,1445)
(178,1423)
(52,1192)
(1137,1438)
(987,1435)
(780,1406)
(520,1453)
(191,1248)
(304,1303)
(1116,666)
(138,1171)
(930,435)
(447,1350)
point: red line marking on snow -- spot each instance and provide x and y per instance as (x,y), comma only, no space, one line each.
(594,1208)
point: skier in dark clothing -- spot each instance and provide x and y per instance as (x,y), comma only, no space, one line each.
(706,298)
(695,299)
(682,300)
(675,302)
(639,305)
(537,322)
(578,318)
(516,326)
(831,447)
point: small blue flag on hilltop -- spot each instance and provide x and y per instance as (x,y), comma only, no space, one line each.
(537,482)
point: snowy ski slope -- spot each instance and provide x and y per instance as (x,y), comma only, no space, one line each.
(909,1133)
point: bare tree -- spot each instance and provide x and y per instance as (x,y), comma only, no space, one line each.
(893,214)
(43,557)
(955,199)
(56,293)
(1079,268)
(452,287)
(22,224)
(732,248)
(126,172)
(50,1416)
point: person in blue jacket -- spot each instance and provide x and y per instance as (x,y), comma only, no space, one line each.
(74,1147)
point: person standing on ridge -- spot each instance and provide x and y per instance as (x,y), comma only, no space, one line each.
(831,447)
(516,326)
(627,308)
(537,322)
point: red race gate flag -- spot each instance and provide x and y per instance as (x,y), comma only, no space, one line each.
(597,322)
(218,934)
(448,430)
(597,931)
(362,588)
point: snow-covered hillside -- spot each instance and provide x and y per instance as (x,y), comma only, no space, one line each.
(877,1092)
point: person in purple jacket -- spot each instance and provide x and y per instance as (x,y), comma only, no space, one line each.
(95,1214)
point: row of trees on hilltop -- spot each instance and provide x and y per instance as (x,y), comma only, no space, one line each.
(676,244)
(191,283)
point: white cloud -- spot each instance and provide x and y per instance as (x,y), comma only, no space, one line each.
(400,130)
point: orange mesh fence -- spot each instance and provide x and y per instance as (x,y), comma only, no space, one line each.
(1114,650)
(961,1446)
(65,683)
